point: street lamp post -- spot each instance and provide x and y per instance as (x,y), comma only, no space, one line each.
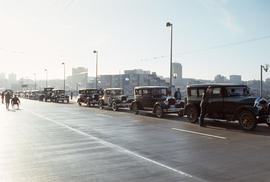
(265,68)
(168,24)
(64,76)
(96,52)
(46,78)
(35,75)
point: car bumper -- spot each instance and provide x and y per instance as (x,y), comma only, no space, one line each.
(123,105)
(173,110)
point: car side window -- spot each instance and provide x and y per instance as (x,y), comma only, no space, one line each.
(201,91)
(193,92)
(146,92)
(138,92)
(216,92)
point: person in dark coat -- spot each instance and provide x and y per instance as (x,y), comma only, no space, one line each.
(204,103)
(7,99)
(15,101)
(177,94)
(3,96)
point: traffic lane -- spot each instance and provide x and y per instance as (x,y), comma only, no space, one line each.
(37,149)
(209,158)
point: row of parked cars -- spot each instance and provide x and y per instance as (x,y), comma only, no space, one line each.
(228,102)
(47,95)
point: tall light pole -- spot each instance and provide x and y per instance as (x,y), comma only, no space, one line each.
(265,68)
(96,52)
(64,64)
(168,24)
(46,77)
(35,75)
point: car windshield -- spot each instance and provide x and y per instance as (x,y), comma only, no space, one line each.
(91,91)
(159,92)
(116,92)
(237,91)
(60,91)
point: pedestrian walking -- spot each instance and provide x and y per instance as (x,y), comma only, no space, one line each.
(3,95)
(177,94)
(7,99)
(71,95)
(204,103)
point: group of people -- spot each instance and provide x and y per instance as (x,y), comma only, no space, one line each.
(8,98)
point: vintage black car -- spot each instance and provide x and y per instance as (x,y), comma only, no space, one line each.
(114,98)
(89,96)
(157,100)
(35,94)
(46,94)
(59,95)
(228,102)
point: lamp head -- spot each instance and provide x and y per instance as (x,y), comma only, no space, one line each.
(95,51)
(168,24)
(266,67)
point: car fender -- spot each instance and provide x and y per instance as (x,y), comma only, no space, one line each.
(187,106)
(161,104)
(240,109)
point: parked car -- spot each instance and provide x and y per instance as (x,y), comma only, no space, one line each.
(35,94)
(114,98)
(89,96)
(46,94)
(157,100)
(59,95)
(228,102)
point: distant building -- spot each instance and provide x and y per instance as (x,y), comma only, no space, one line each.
(237,79)
(79,78)
(220,79)
(12,78)
(131,79)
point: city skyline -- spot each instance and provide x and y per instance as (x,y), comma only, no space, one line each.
(210,37)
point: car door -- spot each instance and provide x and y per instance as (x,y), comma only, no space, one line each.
(215,103)
(147,98)
(107,96)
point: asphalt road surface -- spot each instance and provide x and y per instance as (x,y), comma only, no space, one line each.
(47,142)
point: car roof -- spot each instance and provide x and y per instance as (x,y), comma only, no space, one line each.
(58,90)
(204,85)
(149,87)
(88,89)
(113,89)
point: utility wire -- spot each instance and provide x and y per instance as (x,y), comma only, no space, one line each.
(211,48)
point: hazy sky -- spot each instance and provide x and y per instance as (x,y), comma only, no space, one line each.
(39,34)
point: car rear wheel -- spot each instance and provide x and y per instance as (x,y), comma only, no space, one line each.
(159,112)
(192,114)
(135,108)
(100,104)
(114,106)
(247,121)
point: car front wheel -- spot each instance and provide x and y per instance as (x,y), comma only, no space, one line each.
(100,105)
(114,106)
(134,108)
(247,121)
(159,112)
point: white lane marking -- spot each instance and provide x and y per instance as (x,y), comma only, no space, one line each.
(117,147)
(198,133)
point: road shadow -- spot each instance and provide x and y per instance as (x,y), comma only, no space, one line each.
(261,129)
